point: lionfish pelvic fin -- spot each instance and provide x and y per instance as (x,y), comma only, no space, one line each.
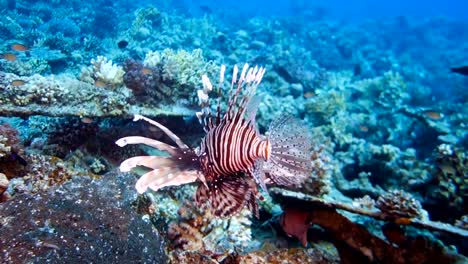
(227,195)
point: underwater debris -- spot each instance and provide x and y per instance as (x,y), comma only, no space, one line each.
(227,171)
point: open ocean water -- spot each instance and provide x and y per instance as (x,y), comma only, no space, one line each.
(233,131)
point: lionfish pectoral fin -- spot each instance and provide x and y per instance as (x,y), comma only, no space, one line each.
(228,195)
(133,140)
(159,178)
(152,162)
(202,178)
(166,130)
(290,159)
(259,175)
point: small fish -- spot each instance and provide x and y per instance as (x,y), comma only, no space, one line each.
(363,128)
(86,120)
(309,94)
(99,83)
(18,158)
(48,245)
(463,70)
(233,157)
(9,56)
(122,44)
(146,71)
(18,82)
(206,9)
(19,47)
(357,70)
(433,115)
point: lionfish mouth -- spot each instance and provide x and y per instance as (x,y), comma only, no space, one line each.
(180,167)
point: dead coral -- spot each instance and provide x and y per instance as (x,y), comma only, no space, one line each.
(22,91)
(185,236)
(371,248)
(4,182)
(9,140)
(44,172)
(198,230)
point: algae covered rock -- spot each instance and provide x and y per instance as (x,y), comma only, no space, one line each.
(84,220)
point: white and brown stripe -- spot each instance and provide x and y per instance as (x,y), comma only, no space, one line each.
(232,147)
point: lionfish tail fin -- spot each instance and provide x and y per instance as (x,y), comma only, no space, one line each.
(227,195)
(290,155)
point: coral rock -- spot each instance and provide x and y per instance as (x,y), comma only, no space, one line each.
(399,204)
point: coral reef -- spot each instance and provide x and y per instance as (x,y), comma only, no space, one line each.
(167,76)
(322,212)
(66,96)
(397,203)
(103,70)
(198,230)
(4,182)
(11,151)
(449,187)
(384,110)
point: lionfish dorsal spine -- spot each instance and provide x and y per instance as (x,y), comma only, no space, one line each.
(166,130)
(243,86)
(204,116)
(220,88)
(246,85)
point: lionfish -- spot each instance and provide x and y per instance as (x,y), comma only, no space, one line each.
(233,157)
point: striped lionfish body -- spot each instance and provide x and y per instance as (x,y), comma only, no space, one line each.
(233,157)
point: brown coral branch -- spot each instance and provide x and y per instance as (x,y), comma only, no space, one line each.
(323,213)
(310,202)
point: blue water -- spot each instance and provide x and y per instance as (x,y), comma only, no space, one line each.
(357,10)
